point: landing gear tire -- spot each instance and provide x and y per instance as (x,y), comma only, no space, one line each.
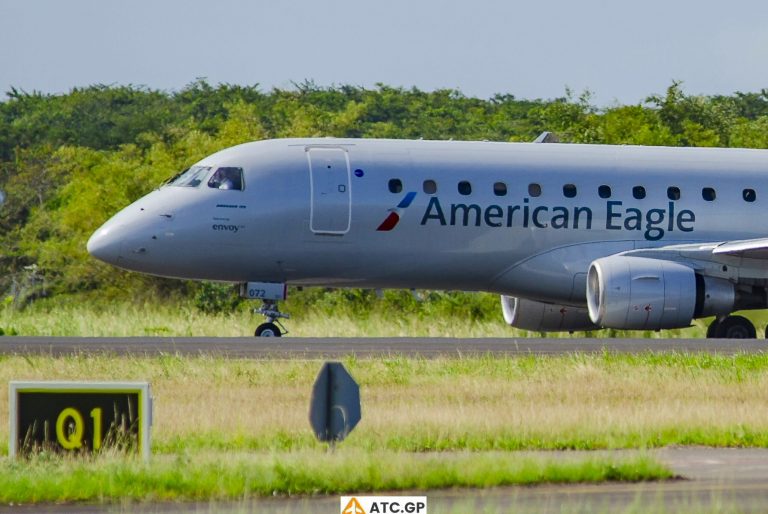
(732,327)
(268,330)
(712,329)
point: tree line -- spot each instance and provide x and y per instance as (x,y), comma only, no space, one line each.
(70,161)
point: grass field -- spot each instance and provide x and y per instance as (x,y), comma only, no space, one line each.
(91,318)
(472,403)
(233,429)
(249,417)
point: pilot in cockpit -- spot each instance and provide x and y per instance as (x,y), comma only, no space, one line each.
(227,178)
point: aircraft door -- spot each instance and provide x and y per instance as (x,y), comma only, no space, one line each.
(331,197)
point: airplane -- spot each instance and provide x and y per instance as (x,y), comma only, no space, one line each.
(572,237)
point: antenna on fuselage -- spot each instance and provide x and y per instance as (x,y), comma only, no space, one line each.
(546,137)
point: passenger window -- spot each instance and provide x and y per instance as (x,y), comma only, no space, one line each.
(191,177)
(604,191)
(638,192)
(708,193)
(749,195)
(534,190)
(465,188)
(227,178)
(395,185)
(569,190)
(500,189)
(673,193)
(430,187)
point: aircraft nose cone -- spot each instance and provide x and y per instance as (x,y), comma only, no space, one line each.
(104,245)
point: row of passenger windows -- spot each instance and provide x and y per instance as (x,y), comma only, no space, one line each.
(569,190)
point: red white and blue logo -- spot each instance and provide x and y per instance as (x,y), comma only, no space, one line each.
(393,218)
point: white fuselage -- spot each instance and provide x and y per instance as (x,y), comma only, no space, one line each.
(437,214)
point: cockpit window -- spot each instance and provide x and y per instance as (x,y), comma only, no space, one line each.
(191,177)
(227,178)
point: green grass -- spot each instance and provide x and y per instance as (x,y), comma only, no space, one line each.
(341,314)
(480,403)
(235,476)
(435,440)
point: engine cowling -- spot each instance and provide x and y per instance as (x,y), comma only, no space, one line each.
(638,293)
(544,317)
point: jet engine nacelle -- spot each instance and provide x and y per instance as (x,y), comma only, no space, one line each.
(638,293)
(544,317)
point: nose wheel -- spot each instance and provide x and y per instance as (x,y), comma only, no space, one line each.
(273,327)
(268,330)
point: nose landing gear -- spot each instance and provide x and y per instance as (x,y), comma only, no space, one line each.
(273,327)
(269,293)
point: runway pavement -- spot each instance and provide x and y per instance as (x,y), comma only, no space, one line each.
(315,348)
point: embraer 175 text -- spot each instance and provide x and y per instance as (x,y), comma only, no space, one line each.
(573,237)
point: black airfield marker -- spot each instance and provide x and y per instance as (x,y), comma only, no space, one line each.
(335,406)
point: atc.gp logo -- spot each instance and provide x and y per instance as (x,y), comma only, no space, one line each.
(393,218)
(352,507)
(383,505)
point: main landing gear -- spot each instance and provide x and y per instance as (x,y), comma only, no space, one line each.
(269,293)
(732,327)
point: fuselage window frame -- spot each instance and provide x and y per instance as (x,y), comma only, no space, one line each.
(429,187)
(638,192)
(708,194)
(749,195)
(500,189)
(395,185)
(570,191)
(190,177)
(673,193)
(604,191)
(534,190)
(464,188)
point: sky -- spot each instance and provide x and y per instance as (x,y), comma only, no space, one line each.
(621,51)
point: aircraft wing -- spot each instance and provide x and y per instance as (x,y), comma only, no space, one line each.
(735,260)
(750,248)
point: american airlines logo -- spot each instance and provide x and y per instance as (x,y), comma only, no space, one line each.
(393,218)
(653,223)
